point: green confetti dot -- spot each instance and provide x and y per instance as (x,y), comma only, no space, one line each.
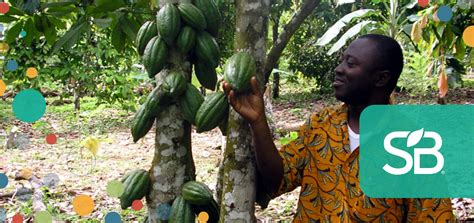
(115,188)
(43,217)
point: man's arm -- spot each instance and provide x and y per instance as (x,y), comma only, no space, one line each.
(251,107)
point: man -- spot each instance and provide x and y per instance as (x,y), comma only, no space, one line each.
(324,160)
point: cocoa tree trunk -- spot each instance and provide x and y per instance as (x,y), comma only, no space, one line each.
(239,172)
(172,163)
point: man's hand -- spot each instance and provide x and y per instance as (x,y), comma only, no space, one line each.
(249,105)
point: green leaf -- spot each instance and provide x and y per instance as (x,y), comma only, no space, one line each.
(334,30)
(118,37)
(58,4)
(14,11)
(13,32)
(103,23)
(108,5)
(7,19)
(70,37)
(128,28)
(30,31)
(349,34)
(61,10)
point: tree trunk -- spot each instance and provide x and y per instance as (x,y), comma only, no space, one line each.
(239,178)
(77,96)
(276,76)
(172,163)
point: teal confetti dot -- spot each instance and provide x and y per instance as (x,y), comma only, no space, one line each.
(43,217)
(22,33)
(29,105)
(3,180)
(12,65)
(445,13)
(112,217)
(163,211)
(3,215)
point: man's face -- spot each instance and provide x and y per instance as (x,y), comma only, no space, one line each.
(354,79)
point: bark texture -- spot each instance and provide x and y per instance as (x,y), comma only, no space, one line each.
(239,172)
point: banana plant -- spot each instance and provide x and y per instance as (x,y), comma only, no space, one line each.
(389,22)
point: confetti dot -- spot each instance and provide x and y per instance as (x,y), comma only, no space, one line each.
(4,47)
(29,105)
(51,180)
(203,217)
(137,205)
(83,205)
(51,139)
(112,217)
(22,33)
(467,36)
(3,180)
(423,3)
(4,7)
(3,87)
(444,13)
(43,217)
(31,72)
(115,188)
(3,215)
(18,218)
(12,65)
(2,27)
(163,211)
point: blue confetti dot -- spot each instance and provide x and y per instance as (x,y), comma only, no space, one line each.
(29,105)
(12,65)
(112,217)
(22,33)
(2,27)
(3,180)
(163,211)
(3,215)
(445,13)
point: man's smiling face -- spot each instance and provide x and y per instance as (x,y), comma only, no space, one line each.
(354,79)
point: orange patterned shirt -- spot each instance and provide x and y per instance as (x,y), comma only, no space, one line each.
(321,163)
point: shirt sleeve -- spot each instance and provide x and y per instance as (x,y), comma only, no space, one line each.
(294,157)
(429,210)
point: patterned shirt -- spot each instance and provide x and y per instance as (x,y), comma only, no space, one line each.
(321,163)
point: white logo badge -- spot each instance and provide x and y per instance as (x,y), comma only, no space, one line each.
(412,139)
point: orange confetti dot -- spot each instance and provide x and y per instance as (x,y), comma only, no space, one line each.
(3,87)
(31,72)
(51,139)
(4,7)
(137,205)
(468,36)
(83,205)
(203,217)
(18,218)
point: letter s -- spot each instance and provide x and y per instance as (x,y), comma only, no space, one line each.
(397,152)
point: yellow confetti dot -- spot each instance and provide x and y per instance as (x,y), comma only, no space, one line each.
(3,87)
(203,217)
(468,36)
(4,47)
(31,72)
(83,205)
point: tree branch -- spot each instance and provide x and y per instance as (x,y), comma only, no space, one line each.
(288,30)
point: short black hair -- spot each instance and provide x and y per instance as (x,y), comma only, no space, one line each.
(389,56)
